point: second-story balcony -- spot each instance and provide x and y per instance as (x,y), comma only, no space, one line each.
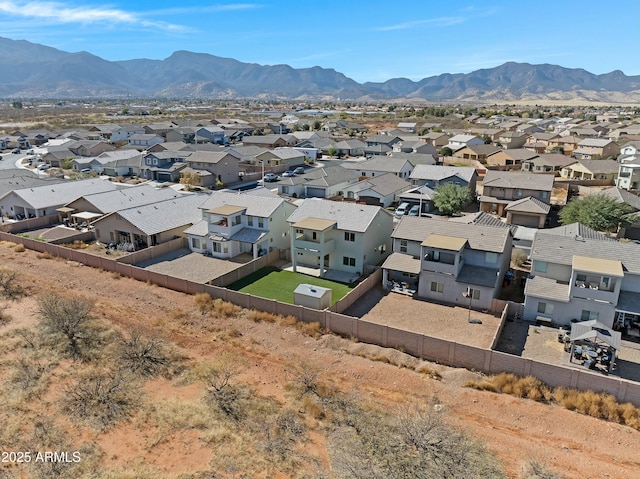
(312,247)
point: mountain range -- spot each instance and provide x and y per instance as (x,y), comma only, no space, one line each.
(37,71)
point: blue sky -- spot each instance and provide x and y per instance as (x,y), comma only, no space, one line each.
(368,40)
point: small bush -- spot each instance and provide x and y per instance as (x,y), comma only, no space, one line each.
(261,316)
(519,257)
(45,255)
(101,398)
(216,307)
(535,470)
(10,286)
(77,244)
(19,248)
(143,354)
(116,275)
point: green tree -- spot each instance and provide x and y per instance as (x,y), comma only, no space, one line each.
(317,125)
(17,105)
(332,151)
(600,212)
(451,198)
(446,151)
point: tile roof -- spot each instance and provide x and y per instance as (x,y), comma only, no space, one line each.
(528,205)
(402,262)
(348,216)
(558,249)
(482,238)
(508,179)
(578,229)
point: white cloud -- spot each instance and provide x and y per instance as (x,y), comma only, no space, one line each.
(62,13)
(208,8)
(437,22)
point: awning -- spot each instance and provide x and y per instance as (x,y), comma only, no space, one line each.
(594,330)
(86,215)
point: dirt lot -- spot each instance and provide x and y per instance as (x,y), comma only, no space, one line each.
(435,320)
(515,430)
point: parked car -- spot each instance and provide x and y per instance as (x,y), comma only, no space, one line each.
(402,210)
(44,166)
(85,170)
(16,151)
(415,210)
(288,174)
(299,170)
(270,177)
(30,151)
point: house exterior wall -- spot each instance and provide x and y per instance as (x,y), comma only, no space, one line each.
(514,193)
(564,312)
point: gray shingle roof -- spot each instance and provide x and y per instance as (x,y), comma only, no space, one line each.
(578,229)
(163,215)
(402,262)
(109,201)
(482,238)
(439,173)
(262,206)
(348,216)
(61,193)
(547,288)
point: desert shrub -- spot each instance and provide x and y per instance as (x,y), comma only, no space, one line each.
(77,244)
(416,443)
(535,470)
(68,317)
(10,286)
(261,316)
(596,404)
(116,275)
(19,248)
(281,433)
(45,255)
(143,354)
(29,376)
(101,398)
(216,307)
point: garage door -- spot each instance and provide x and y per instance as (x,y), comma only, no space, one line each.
(370,200)
(524,220)
(314,192)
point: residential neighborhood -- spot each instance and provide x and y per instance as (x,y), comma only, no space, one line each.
(460,233)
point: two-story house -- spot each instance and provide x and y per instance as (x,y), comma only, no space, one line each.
(583,277)
(591,170)
(211,134)
(460,264)
(164,165)
(512,139)
(250,222)
(433,176)
(145,140)
(220,167)
(592,148)
(344,237)
(510,159)
(324,182)
(503,193)
(629,176)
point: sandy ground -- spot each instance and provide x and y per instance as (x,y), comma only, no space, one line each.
(515,430)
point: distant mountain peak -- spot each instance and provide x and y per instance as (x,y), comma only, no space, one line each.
(39,71)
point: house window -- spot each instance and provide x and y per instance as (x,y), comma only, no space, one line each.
(382,248)
(237,220)
(589,315)
(545,308)
(540,266)
(314,235)
(250,220)
(491,258)
(195,243)
(349,236)
(581,277)
(347,261)
(473,293)
(403,246)
(437,287)
(285,190)
(221,247)
(260,222)
(518,192)
(299,231)
(605,282)
(544,195)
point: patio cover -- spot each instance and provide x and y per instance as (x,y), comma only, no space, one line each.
(402,262)
(595,330)
(86,215)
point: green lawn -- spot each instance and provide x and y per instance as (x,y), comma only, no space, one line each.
(279,285)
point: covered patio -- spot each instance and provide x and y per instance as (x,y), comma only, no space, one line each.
(594,345)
